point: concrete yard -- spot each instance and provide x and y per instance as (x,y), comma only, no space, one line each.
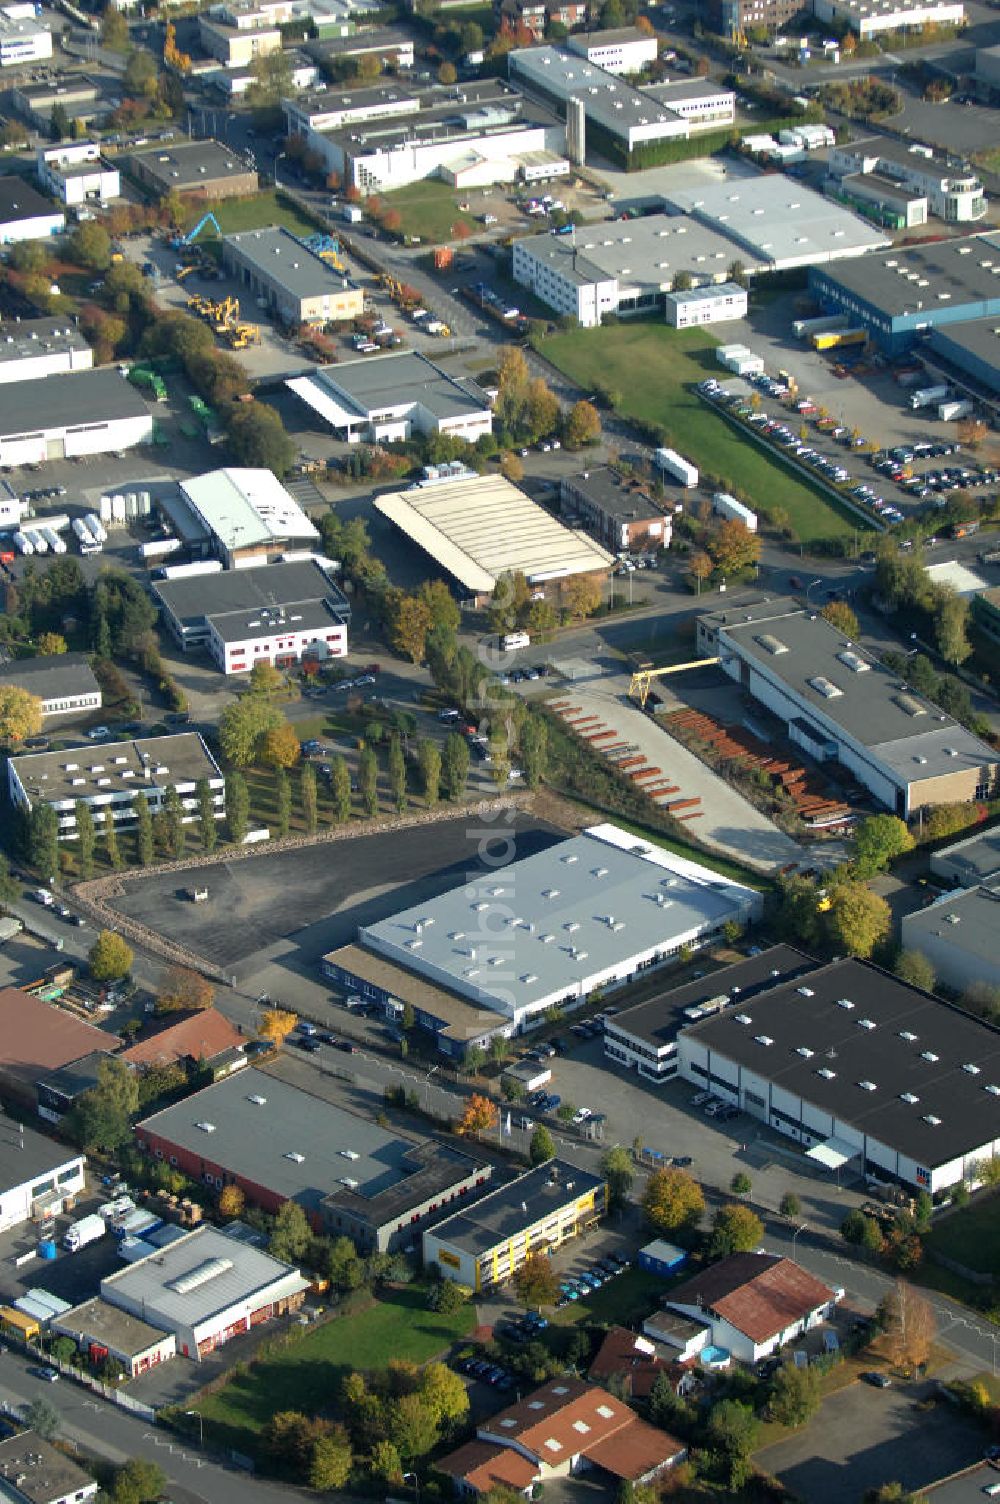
(328,889)
(727,822)
(863,1437)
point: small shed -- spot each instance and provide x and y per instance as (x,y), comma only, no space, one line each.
(529,1074)
(660,1257)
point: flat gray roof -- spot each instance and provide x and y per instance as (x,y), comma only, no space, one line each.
(70,401)
(245,508)
(478,108)
(971,860)
(191,602)
(927,277)
(300,616)
(914,155)
(379,38)
(26,1154)
(614,36)
(398,379)
(52,676)
(968,920)
(195,1277)
(575,910)
(610,493)
(885,187)
(295,1145)
(20,200)
(644,253)
(607,99)
(37,337)
(975,337)
(851,688)
(98,1321)
(897,1039)
(96,768)
(281,257)
(517,1206)
(189,164)
(672,90)
(778,220)
(32,1468)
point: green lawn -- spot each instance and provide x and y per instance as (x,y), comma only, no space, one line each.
(972,1236)
(307,1374)
(671,361)
(268,208)
(428,210)
(623,1301)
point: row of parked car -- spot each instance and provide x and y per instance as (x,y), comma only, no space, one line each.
(714,1107)
(581,1285)
(486,1372)
(309,1038)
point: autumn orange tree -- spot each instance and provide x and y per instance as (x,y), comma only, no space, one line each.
(280,746)
(276,1024)
(480,1115)
(231,1201)
(185,991)
(536,1281)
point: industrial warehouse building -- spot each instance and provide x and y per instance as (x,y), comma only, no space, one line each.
(778,223)
(841,705)
(590,912)
(278,614)
(39,1040)
(623,266)
(958,935)
(484,1245)
(617,118)
(33,1471)
(205,1288)
(93,412)
(22,39)
(969,862)
(63,683)
(480,527)
(32,348)
(103,1331)
(396,396)
(247,517)
(900,295)
(36,1174)
(279,1144)
(112,775)
(25,214)
(480,133)
(644,1037)
(295,284)
(970,355)
(205,168)
(860,1069)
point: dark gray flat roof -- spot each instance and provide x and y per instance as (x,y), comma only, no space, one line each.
(184,164)
(658,1021)
(51,677)
(302,1147)
(914,278)
(519,1205)
(194,600)
(894,1037)
(975,337)
(397,379)
(33,1469)
(26,1154)
(19,200)
(604,488)
(300,616)
(387,37)
(35,337)
(972,859)
(69,401)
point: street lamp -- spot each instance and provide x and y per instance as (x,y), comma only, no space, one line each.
(279,157)
(795,1235)
(412,1478)
(201,1425)
(811,586)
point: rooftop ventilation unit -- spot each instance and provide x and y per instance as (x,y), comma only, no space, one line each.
(845,1002)
(349,1154)
(742,1018)
(294,1156)
(929,1056)
(970,1069)
(804,1051)
(867,1085)
(931,1120)
(825,687)
(908,1097)
(908,1035)
(826,1073)
(764,1039)
(257,1100)
(866,1023)
(771,644)
(206,1127)
(805,992)
(853,661)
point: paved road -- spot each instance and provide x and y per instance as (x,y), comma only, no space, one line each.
(107,1432)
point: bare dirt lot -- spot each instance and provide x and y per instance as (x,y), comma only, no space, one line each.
(329,889)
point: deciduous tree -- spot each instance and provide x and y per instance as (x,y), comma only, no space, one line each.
(536,1282)
(581,595)
(735,1229)
(265,679)
(795,1397)
(232,1201)
(237,807)
(733,546)
(86,838)
(479,1116)
(20,713)
(280,746)
(619,1174)
(840,615)
(282,803)
(410,621)
(908,1320)
(857,919)
(243,725)
(913,966)
(307,798)
(102,1117)
(112,852)
(412,1426)
(430,770)
(185,991)
(42,1417)
(455,766)
(331,1462)
(276,1024)
(110,957)
(673,1201)
(542,1147)
(291,1233)
(51,644)
(368,780)
(878,840)
(397,774)
(340,790)
(43,840)
(443,1392)
(583,425)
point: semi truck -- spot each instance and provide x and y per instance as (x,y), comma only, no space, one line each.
(97,527)
(87,1230)
(677,466)
(949,412)
(725,505)
(925,395)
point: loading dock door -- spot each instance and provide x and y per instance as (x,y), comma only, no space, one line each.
(55,449)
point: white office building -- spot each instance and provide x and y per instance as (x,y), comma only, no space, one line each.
(381,398)
(25,214)
(870,18)
(706,305)
(626,50)
(36,1174)
(112,775)
(955,195)
(23,40)
(76,174)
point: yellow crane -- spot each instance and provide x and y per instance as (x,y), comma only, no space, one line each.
(644,674)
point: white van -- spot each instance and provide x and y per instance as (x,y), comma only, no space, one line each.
(515,640)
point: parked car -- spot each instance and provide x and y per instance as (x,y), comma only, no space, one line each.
(876,1379)
(49,1375)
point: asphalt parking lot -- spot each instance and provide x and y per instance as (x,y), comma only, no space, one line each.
(864,1437)
(327,890)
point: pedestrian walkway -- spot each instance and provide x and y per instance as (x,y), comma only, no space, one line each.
(673,778)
